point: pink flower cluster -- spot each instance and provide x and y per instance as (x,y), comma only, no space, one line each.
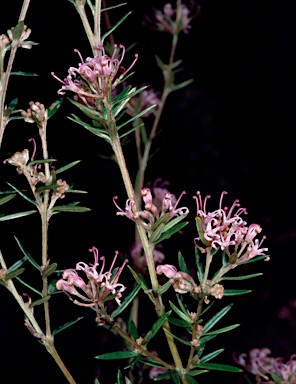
(99,285)
(260,364)
(147,217)
(173,20)
(94,77)
(225,229)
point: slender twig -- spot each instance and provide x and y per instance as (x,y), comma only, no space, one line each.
(97,22)
(89,33)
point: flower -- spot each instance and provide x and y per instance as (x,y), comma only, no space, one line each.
(226,229)
(94,77)
(268,368)
(25,34)
(36,113)
(173,20)
(99,285)
(151,213)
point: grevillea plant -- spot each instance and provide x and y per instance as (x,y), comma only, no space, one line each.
(110,108)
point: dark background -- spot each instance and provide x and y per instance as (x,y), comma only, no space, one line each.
(229,130)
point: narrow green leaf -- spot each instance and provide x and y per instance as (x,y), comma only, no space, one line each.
(29,286)
(2,283)
(197,372)
(175,377)
(132,362)
(181,85)
(119,377)
(182,315)
(40,301)
(18,30)
(182,263)
(128,299)
(156,327)
(173,222)
(13,104)
(236,292)
(65,326)
(16,265)
(22,194)
(117,355)
(29,257)
(222,330)
(186,342)
(47,187)
(163,288)
(219,367)
(172,231)
(113,7)
(241,277)
(139,279)
(162,376)
(131,130)
(205,339)
(16,215)
(210,323)
(277,380)
(136,116)
(150,362)
(70,208)
(68,166)
(90,112)
(14,273)
(159,63)
(53,108)
(20,73)
(210,356)
(156,234)
(258,258)
(49,269)
(179,322)
(133,330)
(95,131)
(114,27)
(7,198)
(161,220)
(191,379)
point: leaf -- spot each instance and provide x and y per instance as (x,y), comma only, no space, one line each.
(114,27)
(163,288)
(205,339)
(16,215)
(12,104)
(66,167)
(47,187)
(139,279)
(128,299)
(210,323)
(70,208)
(119,377)
(241,277)
(136,116)
(255,259)
(133,330)
(181,85)
(222,330)
(219,367)
(113,7)
(183,341)
(179,322)
(156,327)
(172,231)
(18,30)
(22,194)
(49,269)
(197,372)
(95,131)
(210,356)
(20,73)
(191,379)
(175,377)
(65,326)
(40,301)
(182,315)
(28,256)
(16,265)
(90,112)
(53,108)
(131,130)
(156,234)
(117,355)
(182,263)
(7,198)
(29,286)
(162,376)
(14,273)
(236,292)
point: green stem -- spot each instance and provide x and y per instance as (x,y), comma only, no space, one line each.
(89,33)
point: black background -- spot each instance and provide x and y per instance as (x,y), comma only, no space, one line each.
(229,130)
